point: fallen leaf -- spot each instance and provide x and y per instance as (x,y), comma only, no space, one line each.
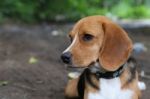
(3,83)
(33,60)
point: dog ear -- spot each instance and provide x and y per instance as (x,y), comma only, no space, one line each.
(116,47)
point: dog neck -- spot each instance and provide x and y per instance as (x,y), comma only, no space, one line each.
(102,73)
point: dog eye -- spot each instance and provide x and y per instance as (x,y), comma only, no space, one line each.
(87,37)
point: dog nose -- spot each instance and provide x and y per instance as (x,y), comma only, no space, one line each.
(66,57)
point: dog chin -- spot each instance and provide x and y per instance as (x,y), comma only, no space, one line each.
(74,75)
(74,71)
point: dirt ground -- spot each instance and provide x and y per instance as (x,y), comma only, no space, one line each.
(30,66)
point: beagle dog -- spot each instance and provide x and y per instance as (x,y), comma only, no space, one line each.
(102,50)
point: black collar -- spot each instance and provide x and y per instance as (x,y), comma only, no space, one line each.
(110,74)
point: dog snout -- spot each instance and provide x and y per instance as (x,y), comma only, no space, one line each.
(66,57)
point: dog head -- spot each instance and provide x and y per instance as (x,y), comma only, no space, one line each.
(97,38)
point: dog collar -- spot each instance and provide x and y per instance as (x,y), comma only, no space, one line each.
(109,74)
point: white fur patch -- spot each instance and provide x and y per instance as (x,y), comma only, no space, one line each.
(111,89)
(141,85)
(73,75)
(73,42)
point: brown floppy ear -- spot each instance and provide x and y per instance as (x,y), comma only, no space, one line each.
(116,47)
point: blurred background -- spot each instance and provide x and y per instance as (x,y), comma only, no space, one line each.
(33,33)
(71,10)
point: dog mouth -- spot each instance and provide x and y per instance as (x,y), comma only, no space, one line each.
(75,71)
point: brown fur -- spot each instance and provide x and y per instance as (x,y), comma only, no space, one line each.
(71,88)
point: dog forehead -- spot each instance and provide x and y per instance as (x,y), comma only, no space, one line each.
(87,26)
(88,21)
(90,24)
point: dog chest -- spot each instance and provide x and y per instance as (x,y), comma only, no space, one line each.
(111,89)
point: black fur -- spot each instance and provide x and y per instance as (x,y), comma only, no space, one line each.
(85,77)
